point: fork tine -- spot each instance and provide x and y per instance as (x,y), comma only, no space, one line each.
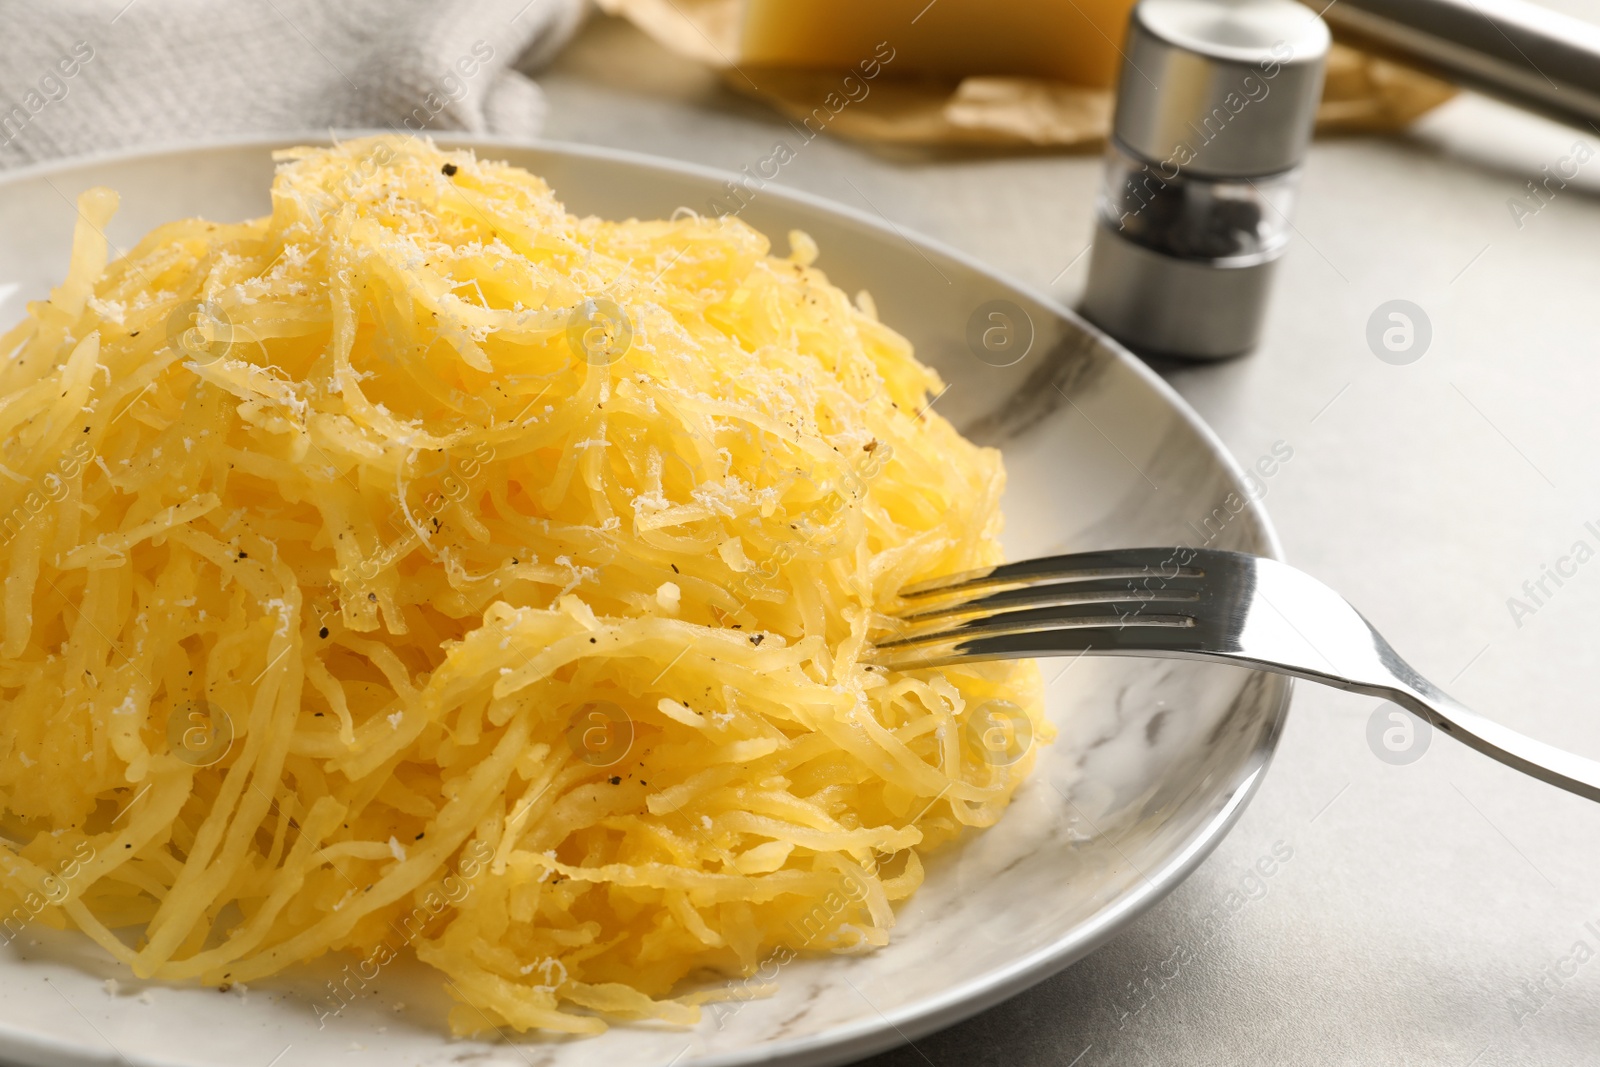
(1127,598)
(981,601)
(1126,611)
(1097,628)
(1124,563)
(1114,614)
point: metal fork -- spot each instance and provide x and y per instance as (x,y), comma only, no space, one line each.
(1183,603)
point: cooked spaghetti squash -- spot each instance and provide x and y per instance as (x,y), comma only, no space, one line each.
(423,569)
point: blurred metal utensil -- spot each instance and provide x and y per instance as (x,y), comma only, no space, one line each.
(1184,603)
(1520,52)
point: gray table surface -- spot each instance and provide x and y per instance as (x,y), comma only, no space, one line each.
(1443,911)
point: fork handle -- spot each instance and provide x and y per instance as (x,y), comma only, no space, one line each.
(1521,52)
(1402,684)
(1536,759)
(1551,765)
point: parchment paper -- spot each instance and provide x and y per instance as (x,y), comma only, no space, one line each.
(1362,93)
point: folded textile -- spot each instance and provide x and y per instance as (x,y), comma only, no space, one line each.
(89,76)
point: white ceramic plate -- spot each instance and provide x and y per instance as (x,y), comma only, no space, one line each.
(1154,762)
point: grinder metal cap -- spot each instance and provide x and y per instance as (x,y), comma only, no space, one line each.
(1223,88)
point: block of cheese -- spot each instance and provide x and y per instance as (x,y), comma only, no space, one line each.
(1072,41)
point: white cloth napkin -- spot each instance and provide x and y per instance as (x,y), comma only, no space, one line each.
(89,76)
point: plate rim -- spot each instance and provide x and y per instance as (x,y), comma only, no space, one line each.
(961,1001)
